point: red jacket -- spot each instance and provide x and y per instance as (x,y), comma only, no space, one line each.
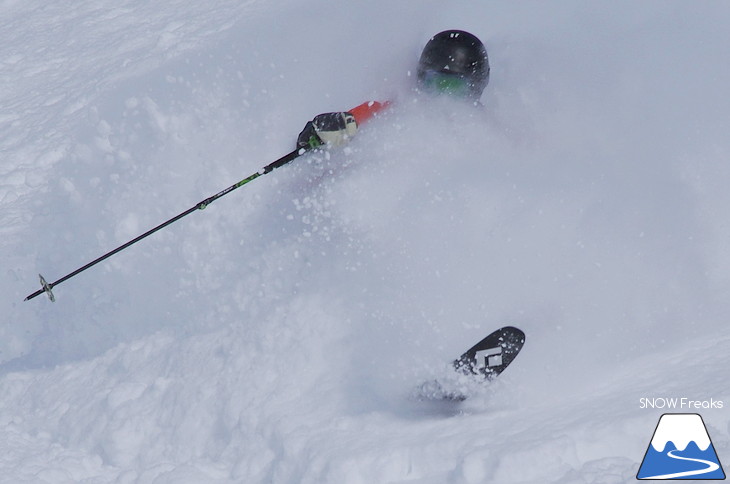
(367,110)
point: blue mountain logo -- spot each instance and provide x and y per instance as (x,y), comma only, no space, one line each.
(681,449)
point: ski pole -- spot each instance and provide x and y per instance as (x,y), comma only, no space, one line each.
(47,287)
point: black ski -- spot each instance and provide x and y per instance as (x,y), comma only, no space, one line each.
(493,354)
(484,361)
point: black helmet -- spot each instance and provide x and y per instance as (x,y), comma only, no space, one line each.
(455,62)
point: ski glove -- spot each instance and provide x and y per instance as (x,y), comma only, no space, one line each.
(332,129)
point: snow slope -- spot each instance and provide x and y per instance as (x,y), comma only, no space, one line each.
(276,336)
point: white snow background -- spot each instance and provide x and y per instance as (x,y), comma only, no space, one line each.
(277,335)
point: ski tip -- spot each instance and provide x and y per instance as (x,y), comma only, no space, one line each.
(515,332)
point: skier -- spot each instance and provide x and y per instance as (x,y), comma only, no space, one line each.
(453,62)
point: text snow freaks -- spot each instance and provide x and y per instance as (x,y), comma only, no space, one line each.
(681,403)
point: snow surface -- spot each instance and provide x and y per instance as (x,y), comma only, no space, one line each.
(276,336)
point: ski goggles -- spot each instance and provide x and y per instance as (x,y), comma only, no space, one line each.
(446,83)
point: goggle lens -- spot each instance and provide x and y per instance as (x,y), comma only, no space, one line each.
(446,83)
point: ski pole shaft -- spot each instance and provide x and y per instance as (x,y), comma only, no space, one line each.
(47,287)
